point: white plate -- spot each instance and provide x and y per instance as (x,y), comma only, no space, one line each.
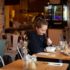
(55,64)
(50,49)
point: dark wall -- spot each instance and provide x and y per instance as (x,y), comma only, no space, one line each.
(64,2)
(36,5)
(12,2)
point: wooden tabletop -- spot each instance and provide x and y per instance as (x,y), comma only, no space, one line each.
(55,55)
(19,65)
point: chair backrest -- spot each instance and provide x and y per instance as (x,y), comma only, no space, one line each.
(15,41)
(2,46)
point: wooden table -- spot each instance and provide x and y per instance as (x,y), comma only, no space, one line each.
(55,55)
(19,65)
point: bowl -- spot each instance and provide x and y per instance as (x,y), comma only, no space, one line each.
(50,49)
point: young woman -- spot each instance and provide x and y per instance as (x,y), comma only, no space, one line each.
(37,38)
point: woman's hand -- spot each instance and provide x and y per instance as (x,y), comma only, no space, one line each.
(49,41)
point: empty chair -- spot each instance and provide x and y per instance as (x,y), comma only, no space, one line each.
(2,47)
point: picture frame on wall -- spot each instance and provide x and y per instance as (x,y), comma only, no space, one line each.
(57,15)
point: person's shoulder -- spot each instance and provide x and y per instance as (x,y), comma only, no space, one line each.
(31,34)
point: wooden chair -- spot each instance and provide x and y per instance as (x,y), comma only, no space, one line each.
(55,35)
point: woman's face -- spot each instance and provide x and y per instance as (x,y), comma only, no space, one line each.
(42,29)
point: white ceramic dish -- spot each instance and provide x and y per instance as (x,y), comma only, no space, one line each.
(50,49)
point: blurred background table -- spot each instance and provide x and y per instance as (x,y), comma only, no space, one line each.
(54,55)
(19,65)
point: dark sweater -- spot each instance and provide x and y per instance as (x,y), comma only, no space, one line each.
(36,43)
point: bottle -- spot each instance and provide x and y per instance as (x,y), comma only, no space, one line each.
(25,40)
(32,65)
(61,42)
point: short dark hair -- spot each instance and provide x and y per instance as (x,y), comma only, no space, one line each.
(39,22)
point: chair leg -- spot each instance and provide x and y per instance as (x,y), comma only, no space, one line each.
(19,53)
(2,61)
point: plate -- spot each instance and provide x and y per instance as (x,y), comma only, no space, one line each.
(55,64)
